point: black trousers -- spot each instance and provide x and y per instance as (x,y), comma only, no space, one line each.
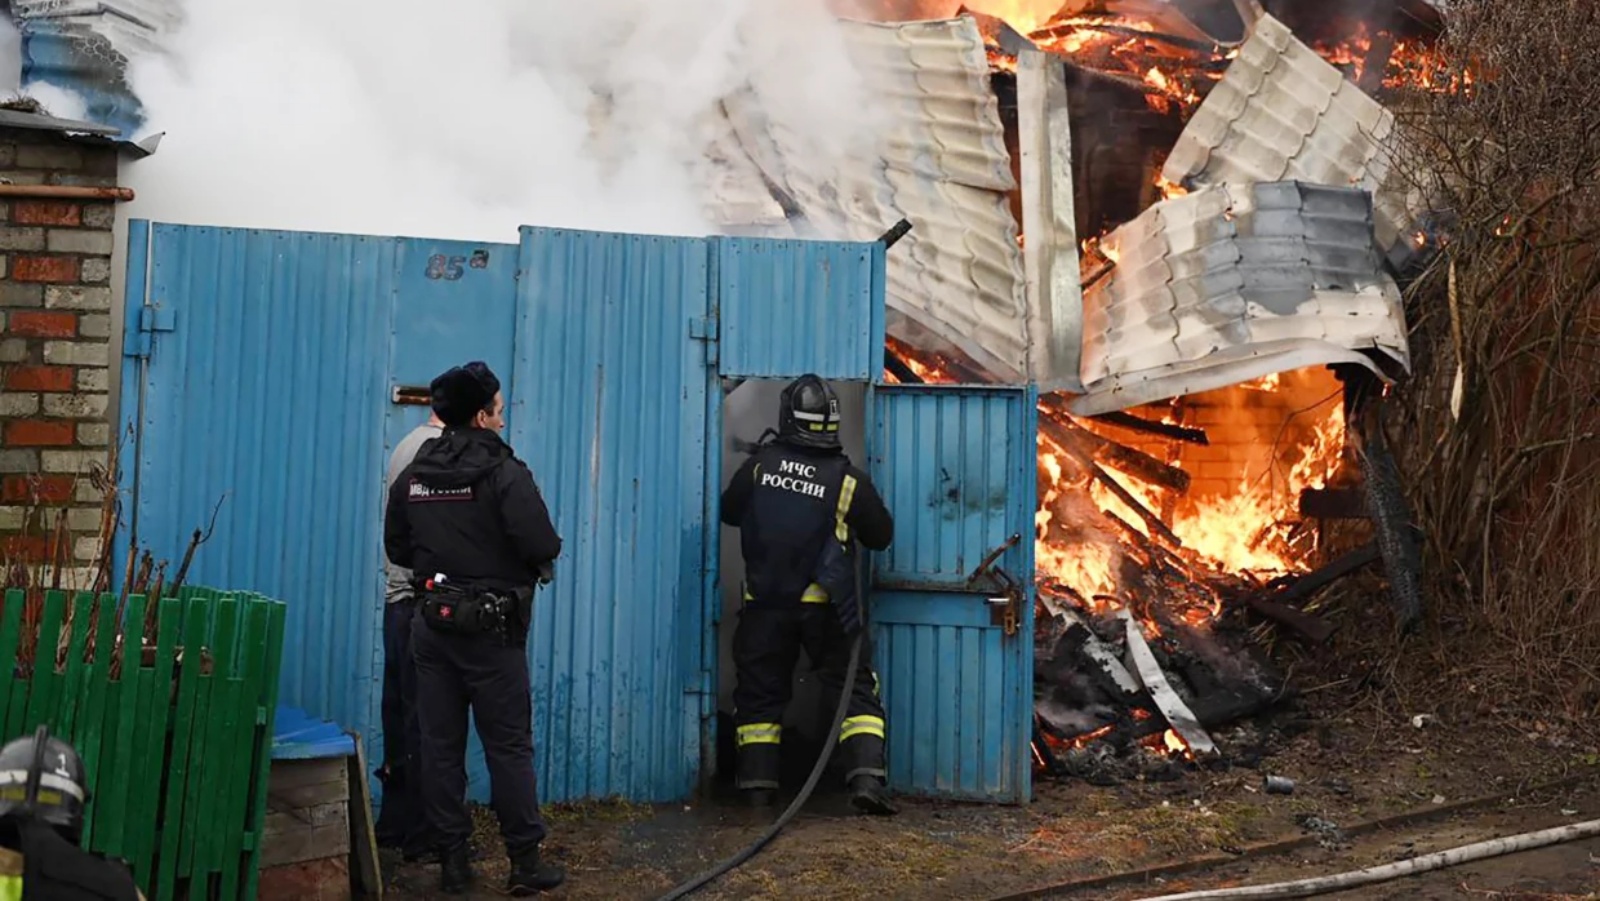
(490,676)
(401,822)
(766,646)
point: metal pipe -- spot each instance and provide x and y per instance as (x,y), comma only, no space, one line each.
(1321,885)
(66,192)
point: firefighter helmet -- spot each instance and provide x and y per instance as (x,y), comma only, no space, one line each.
(42,778)
(808,413)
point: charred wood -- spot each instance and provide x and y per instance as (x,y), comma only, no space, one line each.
(1310,627)
(1396,535)
(898,368)
(1125,420)
(1125,459)
(1376,63)
(1333,503)
(1318,579)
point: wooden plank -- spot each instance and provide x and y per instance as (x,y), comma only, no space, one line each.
(97,688)
(307,783)
(246,744)
(150,754)
(75,670)
(331,839)
(118,782)
(216,717)
(10,640)
(269,705)
(180,765)
(282,821)
(363,831)
(46,690)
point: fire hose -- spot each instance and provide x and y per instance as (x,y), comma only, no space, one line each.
(800,799)
(888,239)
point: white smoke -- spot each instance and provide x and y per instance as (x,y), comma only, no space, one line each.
(468,119)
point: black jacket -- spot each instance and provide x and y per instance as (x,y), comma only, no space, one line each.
(784,502)
(468,508)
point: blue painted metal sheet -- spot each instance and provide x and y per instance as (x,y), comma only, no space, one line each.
(955,466)
(257,365)
(455,301)
(951,477)
(614,382)
(265,391)
(297,735)
(790,307)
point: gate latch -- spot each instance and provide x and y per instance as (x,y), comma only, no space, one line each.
(1006,607)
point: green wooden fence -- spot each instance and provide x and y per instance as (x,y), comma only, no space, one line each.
(177,746)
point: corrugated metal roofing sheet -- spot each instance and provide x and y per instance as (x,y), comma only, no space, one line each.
(1229,284)
(1282,112)
(957,277)
(84,46)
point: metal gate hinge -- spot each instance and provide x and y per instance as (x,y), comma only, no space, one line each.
(704,328)
(157,319)
(136,344)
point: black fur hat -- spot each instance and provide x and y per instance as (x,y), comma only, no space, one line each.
(462,391)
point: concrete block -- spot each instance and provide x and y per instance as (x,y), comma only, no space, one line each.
(76,353)
(77,297)
(95,243)
(76,406)
(14,237)
(96,271)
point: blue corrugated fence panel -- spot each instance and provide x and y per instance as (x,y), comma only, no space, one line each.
(264,400)
(950,477)
(955,466)
(789,307)
(615,382)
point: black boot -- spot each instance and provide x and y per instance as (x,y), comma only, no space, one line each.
(867,796)
(455,871)
(530,875)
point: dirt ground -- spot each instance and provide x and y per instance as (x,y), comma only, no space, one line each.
(1350,766)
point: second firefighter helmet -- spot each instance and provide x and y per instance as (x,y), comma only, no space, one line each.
(42,778)
(808,413)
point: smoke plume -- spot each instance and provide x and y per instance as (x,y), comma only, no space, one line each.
(465,120)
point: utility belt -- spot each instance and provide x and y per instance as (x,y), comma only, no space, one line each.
(472,611)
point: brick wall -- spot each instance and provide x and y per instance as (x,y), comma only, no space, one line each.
(1249,430)
(55,303)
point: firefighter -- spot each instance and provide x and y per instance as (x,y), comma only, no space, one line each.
(800,506)
(401,823)
(466,517)
(42,798)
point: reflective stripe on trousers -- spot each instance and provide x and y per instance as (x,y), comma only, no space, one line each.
(760,734)
(861,725)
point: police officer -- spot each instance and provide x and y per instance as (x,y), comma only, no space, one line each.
(468,520)
(800,506)
(42,798)
(402,823)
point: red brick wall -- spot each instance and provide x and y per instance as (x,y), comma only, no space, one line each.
(55,309)
(1249,431)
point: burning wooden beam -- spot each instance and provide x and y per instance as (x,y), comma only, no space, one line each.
(1125,420)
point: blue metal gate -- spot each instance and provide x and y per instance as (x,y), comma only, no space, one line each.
(267,369)
(955,466)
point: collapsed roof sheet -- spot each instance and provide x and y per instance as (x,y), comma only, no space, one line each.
(1229,284)
(956,280)
(1283,112)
